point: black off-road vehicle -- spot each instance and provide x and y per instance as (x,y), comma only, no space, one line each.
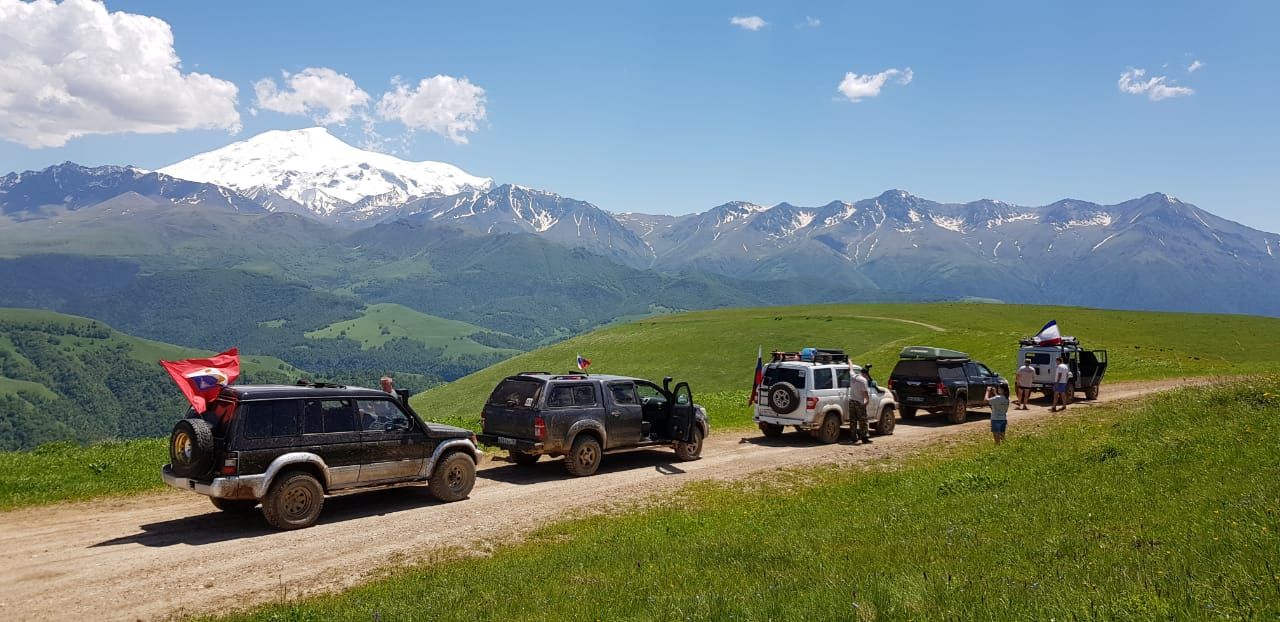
(941,381)
(286,447)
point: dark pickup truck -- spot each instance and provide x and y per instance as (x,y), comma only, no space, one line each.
(582,416)
(940,380)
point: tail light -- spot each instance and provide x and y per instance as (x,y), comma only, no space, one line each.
(539,428)
(891,384)
(810,403)
(942,387)
(231,463)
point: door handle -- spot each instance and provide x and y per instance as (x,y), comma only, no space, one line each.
(616,413)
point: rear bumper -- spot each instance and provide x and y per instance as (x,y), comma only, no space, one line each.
(804,424)
(234,487)
(506,442)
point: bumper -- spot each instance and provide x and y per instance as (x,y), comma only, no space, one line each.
(234,487)
(505,442)
(803,424)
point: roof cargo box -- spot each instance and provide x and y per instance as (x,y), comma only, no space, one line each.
(926,353)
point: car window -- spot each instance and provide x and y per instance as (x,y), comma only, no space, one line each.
(971,369)
(516,393)
(951,372)
(1038,358)
(984,370)
(623,393)
(584,395)
(270,419)
(327,416)
(560,396)
(842,377)
(916,369)
(381,416)
(796,377)
(650,393)
(822,378)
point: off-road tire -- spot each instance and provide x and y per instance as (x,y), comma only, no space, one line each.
(294,501)
(887,422)
(692,450)
(771,430)
(191,448)
(584,457)
(959,410)
(1091,392)
(829,431)
(522,458)
(1071,393)
(783,398)
(908,412)
(234,506)
(453,477)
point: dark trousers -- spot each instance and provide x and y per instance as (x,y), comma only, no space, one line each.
(858,420)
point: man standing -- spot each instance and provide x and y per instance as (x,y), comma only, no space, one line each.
(388,385)
(999,413)
(1061,376)
(1024,378)
(859,396)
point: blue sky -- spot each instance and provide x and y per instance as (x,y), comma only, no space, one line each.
(668,107)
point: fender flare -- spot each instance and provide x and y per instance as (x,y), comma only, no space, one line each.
(585,425)
(446,447)
(285,461)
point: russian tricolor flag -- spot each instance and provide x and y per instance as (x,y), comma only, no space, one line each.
(1049,335)
(583,363)
(755,388)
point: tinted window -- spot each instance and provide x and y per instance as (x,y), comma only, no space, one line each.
(584,395)
(972,370)
(951,372)
(1039,358)
(623,393)
(381,416)
(325,416)
(270,419)
(822,379)
(916,369)
(842,377)
(514,393)
(784,374)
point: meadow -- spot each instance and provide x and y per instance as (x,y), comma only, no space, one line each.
(1168,510)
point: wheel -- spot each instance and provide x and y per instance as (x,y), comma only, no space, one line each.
(191,448)
(294,501)
(1091,392)
(887,421)
(772,430)
(1071,393)
(908,412)
(829,431)
(691,450)
(522,458)
(584,457)
(959,410)
(234,506)
(1048,394)
(453,477)
(783,398)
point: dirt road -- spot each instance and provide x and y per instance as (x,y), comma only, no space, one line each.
(170,553)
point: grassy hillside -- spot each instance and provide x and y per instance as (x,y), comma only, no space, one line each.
(1133,514)
(384,322)
(716,350)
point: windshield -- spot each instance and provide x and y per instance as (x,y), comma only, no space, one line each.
(516,393)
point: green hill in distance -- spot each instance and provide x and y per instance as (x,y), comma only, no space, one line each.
(715,351)
(383,322)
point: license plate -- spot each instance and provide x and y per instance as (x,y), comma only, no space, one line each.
(506,442)
(915,399)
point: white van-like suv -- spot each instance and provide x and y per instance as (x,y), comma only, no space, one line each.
(809,390)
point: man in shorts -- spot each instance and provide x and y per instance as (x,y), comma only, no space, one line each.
(1025,377)
(859,396)
(999,413)
(1061,376)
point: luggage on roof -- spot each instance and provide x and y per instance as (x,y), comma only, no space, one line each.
(812,355)
(926,353)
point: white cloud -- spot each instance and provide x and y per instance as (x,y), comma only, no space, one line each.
(326,95)
(750,22)
(70,69)
(1195,64)
(856,87)
(812,22)
(445,105)
(1155,88)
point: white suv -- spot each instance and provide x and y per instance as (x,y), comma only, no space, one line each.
(812,393)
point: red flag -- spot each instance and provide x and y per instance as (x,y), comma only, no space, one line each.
(755,388)
(202,379)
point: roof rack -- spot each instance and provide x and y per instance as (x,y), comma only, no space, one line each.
(580,376)
(1031,341)
(812,355)
(534,373)
(321,385)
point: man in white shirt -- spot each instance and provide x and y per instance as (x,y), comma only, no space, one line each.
(859,396)
(1061,376)
(999,413)
(1025,377)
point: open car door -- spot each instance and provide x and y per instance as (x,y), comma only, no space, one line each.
(682,414)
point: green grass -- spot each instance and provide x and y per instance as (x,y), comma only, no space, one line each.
(68,471)
(1166,511)
(715,351)
(381,323)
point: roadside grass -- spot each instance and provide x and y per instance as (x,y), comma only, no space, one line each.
(1165,510)
(68,471)
(715,351)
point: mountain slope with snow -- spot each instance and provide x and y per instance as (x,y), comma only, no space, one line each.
(312,171)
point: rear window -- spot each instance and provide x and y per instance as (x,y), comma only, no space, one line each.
(953,372)
(563,395)
(916,369)
(270,419)
(516,393)
(1038,358)
(218,415)
(796,377)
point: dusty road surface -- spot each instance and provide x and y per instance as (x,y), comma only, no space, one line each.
(170,553)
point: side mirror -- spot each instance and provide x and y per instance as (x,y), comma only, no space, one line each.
(666,383)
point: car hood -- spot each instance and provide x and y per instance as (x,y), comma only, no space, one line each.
(440,430)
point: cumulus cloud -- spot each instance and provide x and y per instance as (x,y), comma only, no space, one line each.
(327,96)
(70,69)
(749,22)
(856,87)
(1195,64)
(812,22)
(1155,88)
(448,106)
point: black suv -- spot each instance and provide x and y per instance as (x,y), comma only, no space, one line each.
(580,417)
(286,447)
(938,380)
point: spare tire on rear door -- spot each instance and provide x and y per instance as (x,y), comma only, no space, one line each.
(783,398)
(191,448)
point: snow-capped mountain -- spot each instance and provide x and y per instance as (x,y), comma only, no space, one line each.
(312,171)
